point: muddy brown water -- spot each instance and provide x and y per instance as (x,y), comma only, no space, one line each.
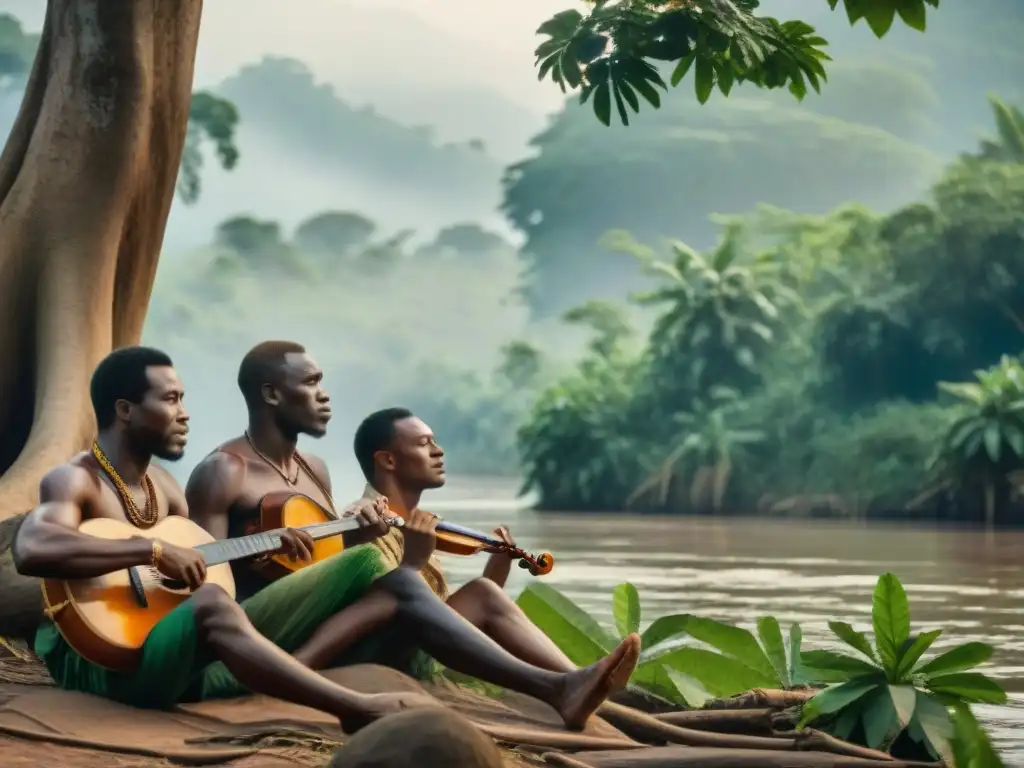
(968,583)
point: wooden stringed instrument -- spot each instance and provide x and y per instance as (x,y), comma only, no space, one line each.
(107,619)
(284,509)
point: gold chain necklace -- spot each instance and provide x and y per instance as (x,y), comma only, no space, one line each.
(140,519)
(300,466)
(279,471)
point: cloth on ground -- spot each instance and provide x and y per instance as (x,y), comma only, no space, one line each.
(174,666)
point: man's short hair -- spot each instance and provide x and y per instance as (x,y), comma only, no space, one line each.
(374,434)
(121,375)
(262,365)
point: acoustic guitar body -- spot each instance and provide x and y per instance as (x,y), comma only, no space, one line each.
(103,618)
(291,510)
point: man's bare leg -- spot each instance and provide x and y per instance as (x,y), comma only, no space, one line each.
(488,607)
(448,637)
(262,667)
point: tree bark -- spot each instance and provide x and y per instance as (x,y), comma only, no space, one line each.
(86,183)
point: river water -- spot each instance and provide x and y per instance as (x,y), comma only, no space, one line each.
(968,583)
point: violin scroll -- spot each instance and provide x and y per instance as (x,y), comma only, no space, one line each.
(537,565)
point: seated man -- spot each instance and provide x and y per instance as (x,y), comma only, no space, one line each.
(400,458)
(137,397)
(386,612)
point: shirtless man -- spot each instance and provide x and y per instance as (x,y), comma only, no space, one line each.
(357,606)
(400,458)
(137,398)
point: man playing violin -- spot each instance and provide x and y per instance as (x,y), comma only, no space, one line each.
(138,401)
(401,458)
(387,613)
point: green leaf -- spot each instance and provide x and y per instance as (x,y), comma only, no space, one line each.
(690,688)
(971,745)
(682,67)
(720,675)
(856,640)
(663,628)
(620,105)
(837,697)
(561,25)
(626,609)
(993,441)
(913,14)
(933,719)
(704,79)
(972,687)
(734,642)
(912,654)
(568,626)
(775,648)
(879,16)
(833,667)
(603,103)
(959,659)
(890,617)
(796,667)
(878,716)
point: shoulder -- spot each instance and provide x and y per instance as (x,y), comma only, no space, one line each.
(220,469)
(69,482)
(318,467)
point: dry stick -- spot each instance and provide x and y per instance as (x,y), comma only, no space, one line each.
(759,698)
(753,722)
(646,728)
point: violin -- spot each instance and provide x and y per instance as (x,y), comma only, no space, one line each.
(459,540)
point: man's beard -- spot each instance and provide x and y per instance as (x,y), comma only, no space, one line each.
(169,454)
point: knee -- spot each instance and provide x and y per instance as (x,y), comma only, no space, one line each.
(405,584)
(486,593)
(215,610)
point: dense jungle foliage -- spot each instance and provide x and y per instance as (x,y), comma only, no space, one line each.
(800,365)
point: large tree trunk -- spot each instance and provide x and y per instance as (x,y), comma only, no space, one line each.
(86,183)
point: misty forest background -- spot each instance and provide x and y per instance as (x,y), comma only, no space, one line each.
(508,274)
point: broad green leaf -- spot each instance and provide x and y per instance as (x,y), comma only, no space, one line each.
(971,687)
(663,628)
(720,675)
(735,642)
(933,719)
(847,721)
(774,646)
(879,16)
(834,667)
(912,654)
(856,640)
(653,678)
(971,745)
(689,687)
(837,697)
(993,441)
(704,79)
(913,14)
(959,659)
(879,718)
(603,102)
(904,700)
(568,626)
(796,667)
(890,617)
(626,609)
(682,68)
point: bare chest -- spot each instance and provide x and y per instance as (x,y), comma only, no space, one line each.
(110,504)
(262,480)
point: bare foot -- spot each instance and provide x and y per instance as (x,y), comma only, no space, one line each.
(586,689)
(378,705)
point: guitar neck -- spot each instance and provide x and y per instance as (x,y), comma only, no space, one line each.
(255,544)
